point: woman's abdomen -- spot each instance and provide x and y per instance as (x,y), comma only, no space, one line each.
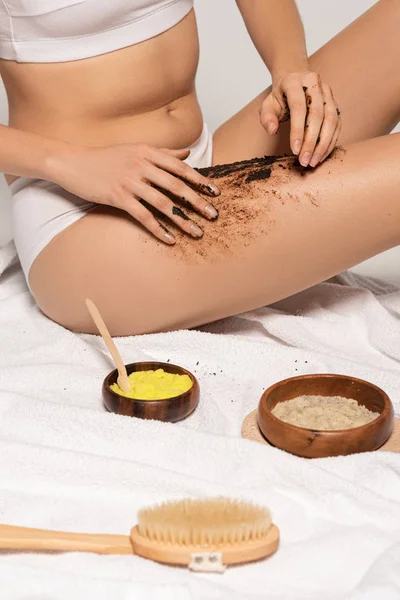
(143,93)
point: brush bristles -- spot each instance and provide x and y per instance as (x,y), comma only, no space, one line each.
(205,522)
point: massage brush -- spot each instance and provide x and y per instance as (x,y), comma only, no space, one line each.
(204,535)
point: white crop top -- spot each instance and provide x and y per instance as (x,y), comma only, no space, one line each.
(64,30)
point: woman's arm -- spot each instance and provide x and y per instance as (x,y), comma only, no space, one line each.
(28,154)
(122,175)
(276,30)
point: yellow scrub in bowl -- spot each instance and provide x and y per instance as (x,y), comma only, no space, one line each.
(154,385)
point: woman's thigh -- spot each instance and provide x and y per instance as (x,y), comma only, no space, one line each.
(362,66)
(281,229)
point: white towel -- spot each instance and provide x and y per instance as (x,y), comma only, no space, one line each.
(67,464)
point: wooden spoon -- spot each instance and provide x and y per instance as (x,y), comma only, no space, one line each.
(123,380)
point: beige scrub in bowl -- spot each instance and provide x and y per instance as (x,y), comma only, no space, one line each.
(324,413)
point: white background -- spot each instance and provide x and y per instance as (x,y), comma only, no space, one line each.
(231,73)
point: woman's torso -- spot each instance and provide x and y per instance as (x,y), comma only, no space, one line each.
(143,92)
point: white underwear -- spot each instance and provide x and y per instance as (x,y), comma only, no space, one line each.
(42,209)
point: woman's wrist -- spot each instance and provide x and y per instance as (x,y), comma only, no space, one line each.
(277,74)
(57,159)
(294,65)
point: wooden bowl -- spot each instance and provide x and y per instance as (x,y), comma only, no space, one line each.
(311,443)
(170,409)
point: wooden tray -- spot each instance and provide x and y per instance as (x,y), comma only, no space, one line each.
(251,431)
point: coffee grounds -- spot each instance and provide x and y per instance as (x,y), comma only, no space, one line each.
(179,213)
(251,190)
(243,166)
(259,175)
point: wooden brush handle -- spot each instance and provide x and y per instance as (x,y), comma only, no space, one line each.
(109,342)
(24,538)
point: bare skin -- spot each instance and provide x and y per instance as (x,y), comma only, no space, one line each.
(92,143)
(312,227)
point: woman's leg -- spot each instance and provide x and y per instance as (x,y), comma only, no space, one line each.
(279,232)
(361,64)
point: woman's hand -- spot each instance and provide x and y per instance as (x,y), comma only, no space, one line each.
(133,177)
(315,122)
